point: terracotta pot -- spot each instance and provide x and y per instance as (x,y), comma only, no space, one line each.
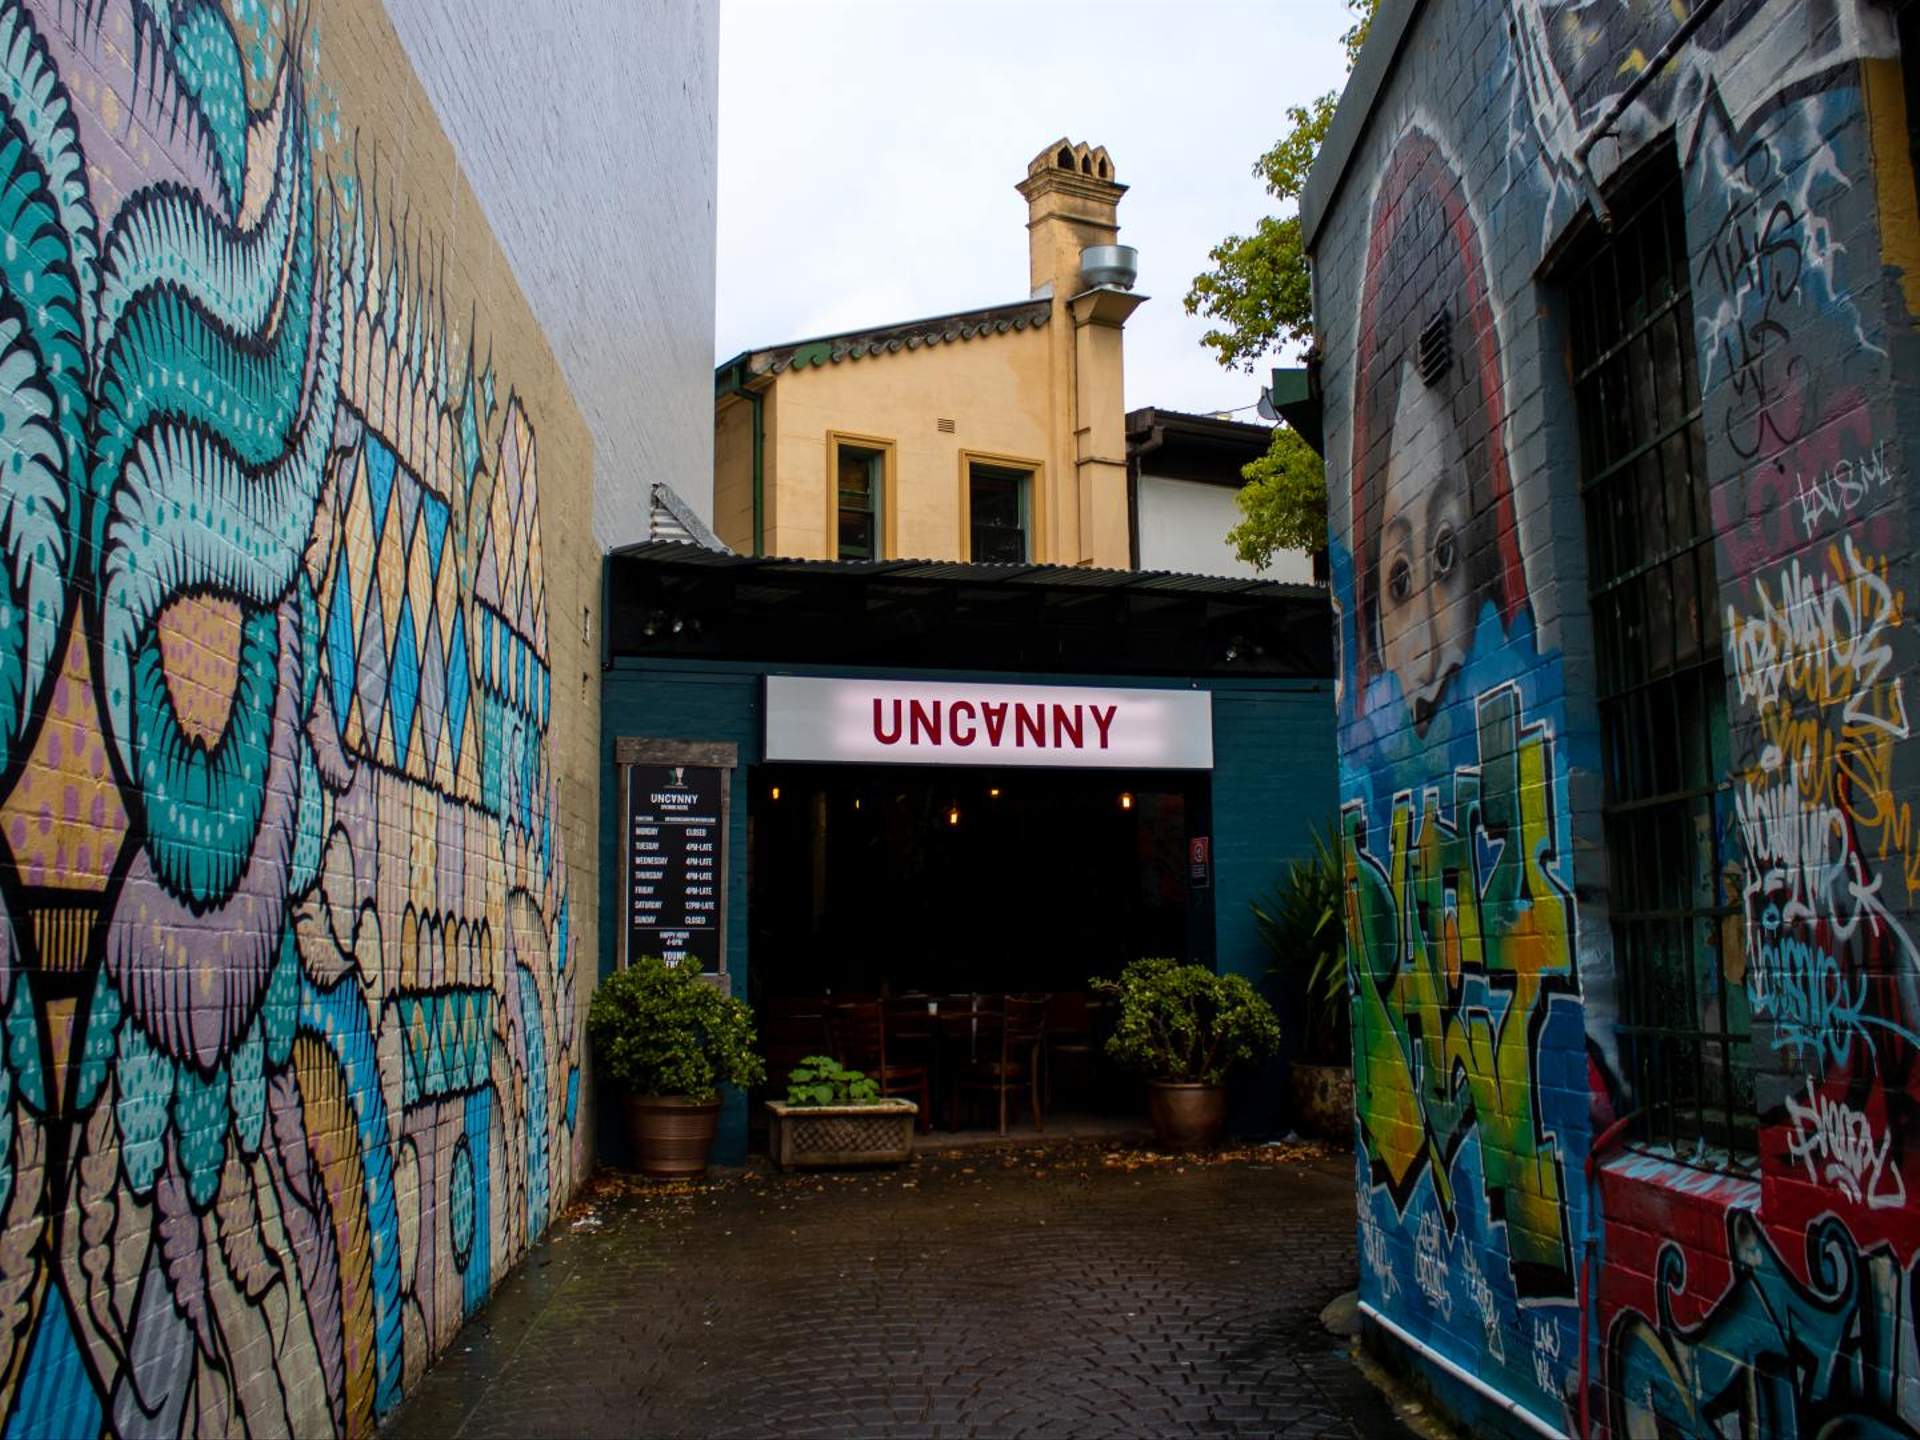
(1185,1116)
(669,1135)
(1323,1100)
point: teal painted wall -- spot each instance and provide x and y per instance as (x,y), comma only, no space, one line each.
(1273,780)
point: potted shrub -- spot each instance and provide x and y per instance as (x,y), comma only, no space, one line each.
(670,1039)
(833,1117)
(1187,1028)
(1303,923)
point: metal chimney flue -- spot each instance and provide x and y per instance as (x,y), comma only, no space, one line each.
(1115,265)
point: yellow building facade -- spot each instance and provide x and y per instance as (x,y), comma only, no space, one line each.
(995,434)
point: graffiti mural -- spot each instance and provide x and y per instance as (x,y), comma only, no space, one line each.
(1763,1294)
(1782,1306)
(290,1072)
(1461,917)
(1777,1355)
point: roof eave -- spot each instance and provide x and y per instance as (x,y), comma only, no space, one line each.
(1392,23)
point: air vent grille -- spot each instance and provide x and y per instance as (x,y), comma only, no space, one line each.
(1436,347)
(945,427)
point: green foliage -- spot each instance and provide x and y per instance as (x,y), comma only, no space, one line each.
(1259,289)
(1303,923)
(1185,1023)
(1259,294)
(1284,502)
(822,1080)
(660,1029)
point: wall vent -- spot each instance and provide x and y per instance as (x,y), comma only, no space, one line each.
(945,427)
(1436,347)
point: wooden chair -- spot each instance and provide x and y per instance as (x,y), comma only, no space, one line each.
(792,1027)
(1018,1028)
(1069,1035)
(860,1043)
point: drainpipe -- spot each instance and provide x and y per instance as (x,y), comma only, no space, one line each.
(1466,1377)
(1606,1140)
(732,383)
(1156,437)
(1604,125)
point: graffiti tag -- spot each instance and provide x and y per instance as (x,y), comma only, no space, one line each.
(1833,1131)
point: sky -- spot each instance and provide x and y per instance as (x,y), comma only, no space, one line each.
(869,150)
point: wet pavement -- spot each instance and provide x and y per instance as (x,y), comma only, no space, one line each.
(1086,1289)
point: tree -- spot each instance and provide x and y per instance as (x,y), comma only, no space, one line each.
(1260,295)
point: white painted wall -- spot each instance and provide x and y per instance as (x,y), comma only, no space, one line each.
(1183,527)
(589,130)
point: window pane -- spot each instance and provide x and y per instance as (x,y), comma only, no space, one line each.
(861,480)
(998,501)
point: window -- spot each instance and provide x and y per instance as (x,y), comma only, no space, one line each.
(1675,893)
(999,514)
(859,498)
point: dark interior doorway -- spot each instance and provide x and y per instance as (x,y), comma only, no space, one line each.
(899,878)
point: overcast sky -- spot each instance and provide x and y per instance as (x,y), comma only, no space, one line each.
(869,150)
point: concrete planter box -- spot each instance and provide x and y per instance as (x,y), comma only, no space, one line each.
(828,1137)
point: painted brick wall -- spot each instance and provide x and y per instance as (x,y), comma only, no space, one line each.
(298,789)
(1760,1300)
(607,217)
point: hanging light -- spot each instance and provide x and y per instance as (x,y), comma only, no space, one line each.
(775,792)
(994,791)
(856,802)
(953,815)
(1126,800)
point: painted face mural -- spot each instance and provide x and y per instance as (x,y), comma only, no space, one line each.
(1461,918)
(290,1071)
(1435,539)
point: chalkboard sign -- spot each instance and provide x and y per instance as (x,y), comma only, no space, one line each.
(675,833)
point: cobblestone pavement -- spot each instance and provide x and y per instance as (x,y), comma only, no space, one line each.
(1080,1290)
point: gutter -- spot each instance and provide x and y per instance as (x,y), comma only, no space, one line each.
(1466,1377)
(732,381)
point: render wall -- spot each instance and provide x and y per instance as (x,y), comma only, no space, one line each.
(298,790)
(1719,1299)
(589,131)
(733,422)
(996,390)
(1183,526)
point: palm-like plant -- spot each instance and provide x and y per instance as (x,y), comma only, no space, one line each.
(1302,921)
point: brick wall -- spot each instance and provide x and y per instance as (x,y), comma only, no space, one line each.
(588,129)
(297,782)
(1719,1298)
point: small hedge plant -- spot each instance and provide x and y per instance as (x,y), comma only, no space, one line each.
(659,1029)
(1185,1024)
(822,1080)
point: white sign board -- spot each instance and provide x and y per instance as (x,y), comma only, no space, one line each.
(890,722)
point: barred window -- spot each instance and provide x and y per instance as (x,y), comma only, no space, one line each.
(1685,1024)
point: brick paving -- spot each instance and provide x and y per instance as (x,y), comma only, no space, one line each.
(1079,1290)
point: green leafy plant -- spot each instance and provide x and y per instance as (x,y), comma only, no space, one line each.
(660,1029)
(822,1080)
(1184,1023)
(1302,921)
(1259,296)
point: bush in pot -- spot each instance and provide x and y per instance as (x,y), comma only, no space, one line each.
(834,1116)
(670,1039)
(1187,1029)
(1303,923)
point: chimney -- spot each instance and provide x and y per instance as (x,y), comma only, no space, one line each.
(1072,203)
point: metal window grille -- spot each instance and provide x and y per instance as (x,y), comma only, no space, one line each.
(1685,1026)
